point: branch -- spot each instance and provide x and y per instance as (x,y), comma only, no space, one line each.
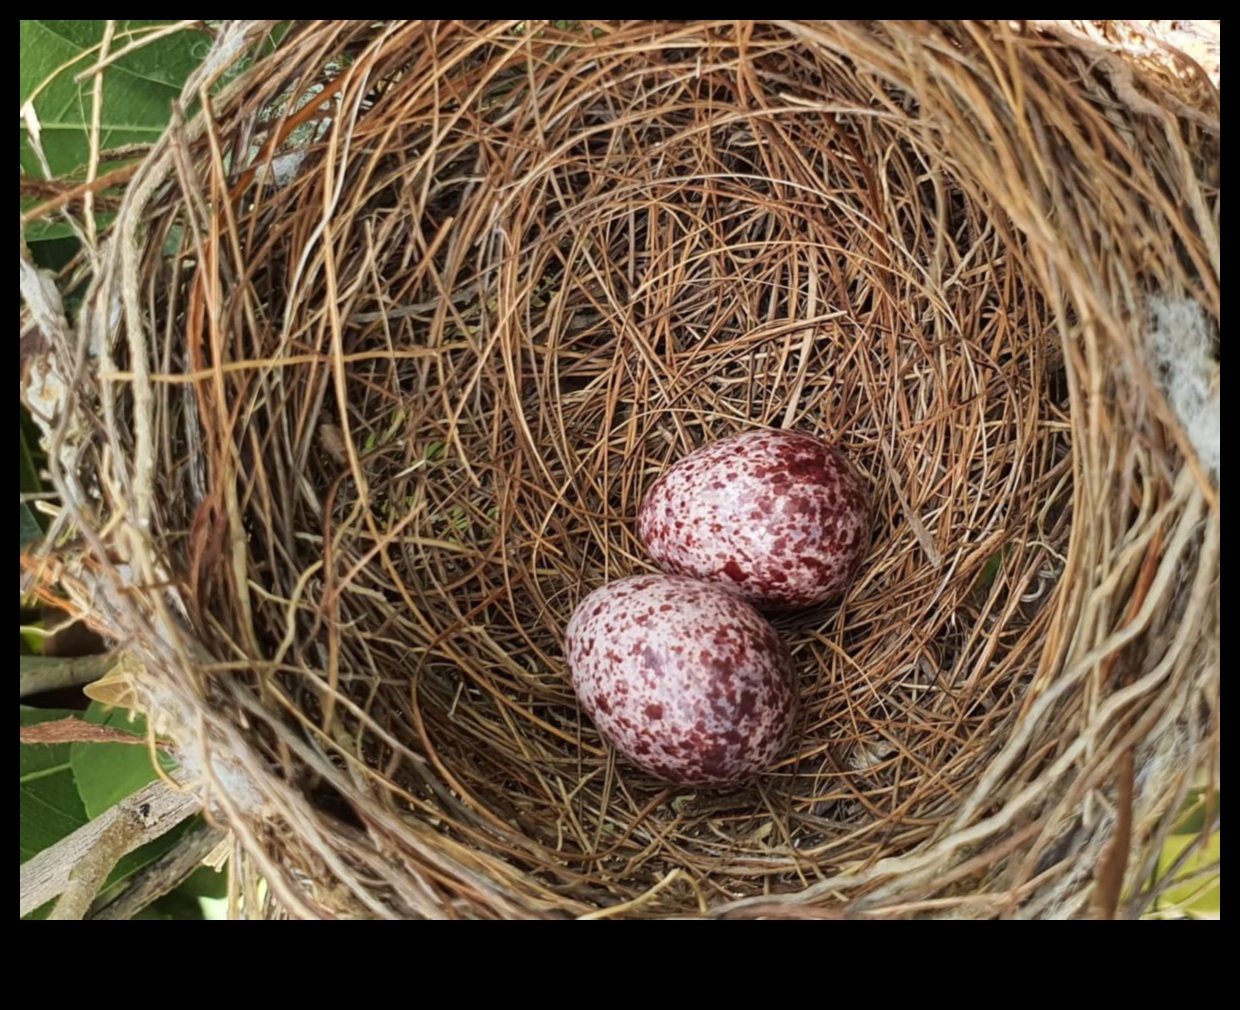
(87,876)
(165,874)
(73,861)
(45,673)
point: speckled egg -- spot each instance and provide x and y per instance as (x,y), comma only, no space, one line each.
(777,517)
(686,680)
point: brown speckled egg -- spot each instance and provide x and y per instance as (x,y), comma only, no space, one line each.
(777,517)
(685,679)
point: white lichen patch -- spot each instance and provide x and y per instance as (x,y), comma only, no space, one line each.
(1180,341)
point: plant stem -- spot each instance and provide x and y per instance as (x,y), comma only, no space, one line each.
(163,875)
(155,809)
(45,673)
(87,876)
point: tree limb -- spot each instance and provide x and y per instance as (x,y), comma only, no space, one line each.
(45,673)
(87,876)
(165,874)
(152,811)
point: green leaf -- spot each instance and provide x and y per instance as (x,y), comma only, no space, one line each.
(30,638)
(49,805)
(176,905)
(52,803)
(28,480)
(205,882)
(990,570)
(108,772)
(137,95)
(138,89)
(31,531)
(54,244)
(1197,807)
(27,468)
(1195,897)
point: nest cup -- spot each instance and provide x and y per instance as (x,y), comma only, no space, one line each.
(393,338)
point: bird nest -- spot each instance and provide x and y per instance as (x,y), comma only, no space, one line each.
(395,333)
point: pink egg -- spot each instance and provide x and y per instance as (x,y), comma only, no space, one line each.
(777,517)
(686,680)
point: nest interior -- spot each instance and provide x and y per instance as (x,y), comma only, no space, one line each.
(415,316)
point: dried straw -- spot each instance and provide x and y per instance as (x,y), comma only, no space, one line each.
(391,341)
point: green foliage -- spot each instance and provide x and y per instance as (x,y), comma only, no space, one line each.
(990,571)
(1198,894)
(50,806)
(27,480)
(63,786)
(58,102)
(205,882)
(1191,858)
(138,89)
(30,530)
(175,906)
(1200,807)
(105,773)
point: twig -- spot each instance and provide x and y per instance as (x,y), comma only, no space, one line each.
(74,730)
(166,873)
(74,860)
(88,875)
(1110,883)
(117,177)
(44,673)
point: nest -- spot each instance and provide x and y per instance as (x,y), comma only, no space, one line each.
(392,339)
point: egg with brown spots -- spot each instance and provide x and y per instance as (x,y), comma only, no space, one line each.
(686,680)
(780,518)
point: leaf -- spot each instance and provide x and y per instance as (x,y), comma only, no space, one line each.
(108,772)
(54,247)
(138,89)
(137,95)
(28,480)
(49,805)
(205,882)
(1197,807)
(31,531)
(30,639)
(990,570)
(1202,896)
(28,472)
(177,905)
(56,109)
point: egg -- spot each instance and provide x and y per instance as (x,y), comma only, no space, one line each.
(780,518)
(686,680)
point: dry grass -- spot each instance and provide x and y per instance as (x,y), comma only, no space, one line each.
(370,425)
